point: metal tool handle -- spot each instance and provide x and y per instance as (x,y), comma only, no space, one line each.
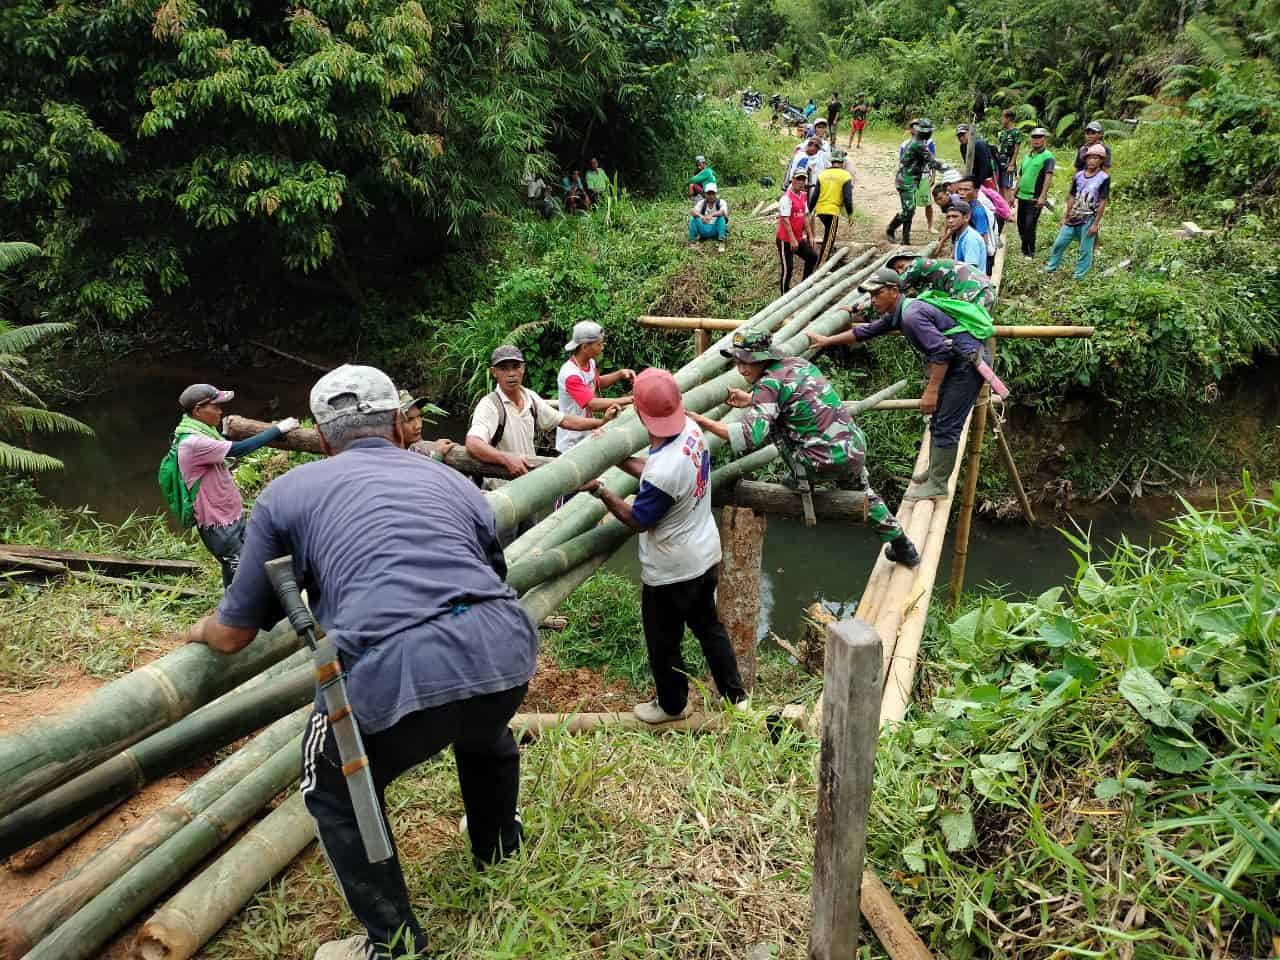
(280,573)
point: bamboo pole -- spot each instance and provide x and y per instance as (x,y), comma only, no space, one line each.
(1013,332)
(111,562)
(523,496)
(1011,468)
(893,929)
(581,513)
(49,752)
(36,919)
(42,851)
(81,936)
(703,722)
(964,524)
(160,754)
(187,922)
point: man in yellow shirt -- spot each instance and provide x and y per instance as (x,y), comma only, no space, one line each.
(833,192)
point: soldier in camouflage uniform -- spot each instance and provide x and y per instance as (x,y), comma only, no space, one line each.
(792,405)
(951,278)
(914,160)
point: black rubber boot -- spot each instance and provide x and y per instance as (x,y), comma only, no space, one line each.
(891,230)
(906,228)
(902,550)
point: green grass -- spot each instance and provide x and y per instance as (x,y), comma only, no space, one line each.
(59,628)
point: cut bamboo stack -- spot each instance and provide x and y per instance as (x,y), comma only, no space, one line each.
(191,702)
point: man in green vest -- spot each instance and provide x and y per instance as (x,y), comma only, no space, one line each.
(949,346)
(1035,176)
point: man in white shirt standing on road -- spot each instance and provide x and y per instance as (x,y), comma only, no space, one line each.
(679,549)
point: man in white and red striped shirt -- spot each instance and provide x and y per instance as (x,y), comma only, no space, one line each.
(580,383)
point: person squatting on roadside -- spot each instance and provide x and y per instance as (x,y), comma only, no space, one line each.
(679,549)
(949,351)
(203,453)
(792,405)
(914,161)
(709,218)
(437,649)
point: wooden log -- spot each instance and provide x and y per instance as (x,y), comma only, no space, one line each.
(701,341)
(890,924)
(851,687)
(119,777)
(832,506)
(114,563)
(51,751)
(42,851)
(186,923)
(36,919)
(35,567)
(82,935)
(738,597)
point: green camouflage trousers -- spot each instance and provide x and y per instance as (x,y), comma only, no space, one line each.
(907,186)
(852,475)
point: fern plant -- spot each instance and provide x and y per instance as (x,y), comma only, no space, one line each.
(22,412)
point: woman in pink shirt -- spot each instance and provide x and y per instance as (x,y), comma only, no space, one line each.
(793,229)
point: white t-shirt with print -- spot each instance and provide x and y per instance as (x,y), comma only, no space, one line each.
(685,544)
(567,439)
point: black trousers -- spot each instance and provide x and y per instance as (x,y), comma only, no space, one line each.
(488,772)
(225,543)
(830,224)
(666,611)
(1028,219)
(956,397)
(787,265)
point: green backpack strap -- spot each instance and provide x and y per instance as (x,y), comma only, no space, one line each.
(972,318)
(180,498)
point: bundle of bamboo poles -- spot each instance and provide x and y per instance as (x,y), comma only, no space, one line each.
(60,773)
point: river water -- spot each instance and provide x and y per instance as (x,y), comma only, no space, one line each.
(113,473)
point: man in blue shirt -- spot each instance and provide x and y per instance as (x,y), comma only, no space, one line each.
(968,243)
(437,649)
(947,349)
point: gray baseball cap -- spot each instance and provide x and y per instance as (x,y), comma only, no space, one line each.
(199,393)
(1093,126)
(504,353)
(884,277)
(584,332)
(962,128)
(699,159)
(960,206)
(1039,132)
(351,390)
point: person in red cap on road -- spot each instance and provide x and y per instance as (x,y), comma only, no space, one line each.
(679,548)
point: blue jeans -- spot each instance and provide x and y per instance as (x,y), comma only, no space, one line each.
(1067,234)
(708,231)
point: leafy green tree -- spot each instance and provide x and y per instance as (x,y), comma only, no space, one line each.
(21,411)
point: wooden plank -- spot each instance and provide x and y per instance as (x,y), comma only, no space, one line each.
(836,506)
(851,682)
(114,563)
(738,597)
(890,924)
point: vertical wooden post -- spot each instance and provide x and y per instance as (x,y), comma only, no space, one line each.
(973,465)
(738,597)
(851,725)
(1006,455)
(701,341)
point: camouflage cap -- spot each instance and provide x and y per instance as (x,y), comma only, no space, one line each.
(752,346)
(884,277)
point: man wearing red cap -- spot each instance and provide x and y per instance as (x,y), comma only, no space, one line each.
(679,549)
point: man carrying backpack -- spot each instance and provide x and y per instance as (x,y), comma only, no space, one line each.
(196,478)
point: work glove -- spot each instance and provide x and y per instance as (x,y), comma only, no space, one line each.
(287,424)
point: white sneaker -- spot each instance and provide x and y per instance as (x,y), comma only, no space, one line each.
(719,248)
(352,948)
(462,824)
(652,712)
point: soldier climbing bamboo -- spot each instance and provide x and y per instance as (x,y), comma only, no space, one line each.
(914,159)
(792,405)
(949,334)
